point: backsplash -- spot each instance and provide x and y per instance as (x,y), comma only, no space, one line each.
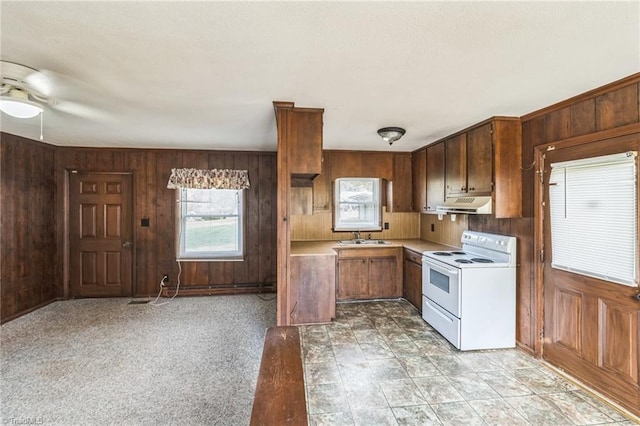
(318,227)
(444,231)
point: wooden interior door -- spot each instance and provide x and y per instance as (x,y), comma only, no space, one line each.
(100,234)
(591,325)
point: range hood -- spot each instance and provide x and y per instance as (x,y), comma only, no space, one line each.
(466,205)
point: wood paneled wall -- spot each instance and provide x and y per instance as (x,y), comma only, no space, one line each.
(613,106)
(28,251)
(318,227)
(155,245)
(443,231)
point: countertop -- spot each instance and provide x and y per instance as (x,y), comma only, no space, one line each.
(324,248)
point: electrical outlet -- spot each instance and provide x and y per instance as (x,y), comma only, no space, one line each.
(386,225)
(165,279)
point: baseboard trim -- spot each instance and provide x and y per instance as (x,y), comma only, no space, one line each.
(218,290)
(525,348)
(31,309)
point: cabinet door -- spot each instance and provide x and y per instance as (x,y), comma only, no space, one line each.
(345,164)
(377,165)
(382,278)
(353,279)
(435,176)
(312,287)
(322,188)
(400,199)
(419,178)
(305,148)
(456,165)
(480,155)
(413,283)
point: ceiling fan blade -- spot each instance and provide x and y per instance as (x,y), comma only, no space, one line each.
(40,82)
(80,110)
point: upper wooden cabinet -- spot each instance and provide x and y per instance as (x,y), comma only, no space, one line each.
(479,161)
(456,165)
(304,130)
(322,189)
(485,160)
(435,176)
(399,197)
(392,167)
(469,164)
(419,179)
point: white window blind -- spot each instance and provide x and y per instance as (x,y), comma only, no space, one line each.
(593,205)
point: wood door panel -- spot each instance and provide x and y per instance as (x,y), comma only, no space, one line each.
(88,221)
(591,325)
(619,349)
(112,221)
(568,331)
(89,268)
(112,268)
(100,234)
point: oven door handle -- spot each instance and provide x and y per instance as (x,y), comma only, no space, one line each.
(440,268)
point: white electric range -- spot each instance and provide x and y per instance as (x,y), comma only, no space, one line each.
(469,294)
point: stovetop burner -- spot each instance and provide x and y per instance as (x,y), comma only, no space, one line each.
(463,261)
(458,252)
(481,260)
(442,253)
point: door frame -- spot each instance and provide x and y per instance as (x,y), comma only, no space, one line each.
(66,247)
(538,226)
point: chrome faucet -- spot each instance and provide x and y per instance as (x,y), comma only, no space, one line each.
(356,235)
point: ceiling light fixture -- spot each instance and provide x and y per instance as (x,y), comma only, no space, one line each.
(16,103)
(391,134)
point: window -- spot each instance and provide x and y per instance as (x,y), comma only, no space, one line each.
(593,205)
(211,224)
(357,205)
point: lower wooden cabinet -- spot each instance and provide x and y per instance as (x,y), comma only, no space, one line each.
(371,273)
(312,289)
(412,271)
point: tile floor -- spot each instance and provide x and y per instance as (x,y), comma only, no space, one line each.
(379,363)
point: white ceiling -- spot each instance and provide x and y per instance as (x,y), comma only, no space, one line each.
(204,74)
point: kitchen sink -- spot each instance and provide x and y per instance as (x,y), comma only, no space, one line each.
(363,242)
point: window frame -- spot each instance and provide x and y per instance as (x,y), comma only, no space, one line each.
(339,226)
(210,256)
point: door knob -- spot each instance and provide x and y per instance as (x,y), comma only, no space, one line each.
(638,296)
(127,244)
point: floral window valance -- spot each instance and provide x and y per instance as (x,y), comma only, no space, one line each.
(208,179)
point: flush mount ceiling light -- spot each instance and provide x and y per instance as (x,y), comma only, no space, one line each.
(16,103)
(391,134)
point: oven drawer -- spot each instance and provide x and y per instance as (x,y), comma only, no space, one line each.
(446,324)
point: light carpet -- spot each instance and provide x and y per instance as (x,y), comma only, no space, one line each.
(193,361)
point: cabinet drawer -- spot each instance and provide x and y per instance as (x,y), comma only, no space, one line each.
(413,256)
(350,253)
(446,324)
